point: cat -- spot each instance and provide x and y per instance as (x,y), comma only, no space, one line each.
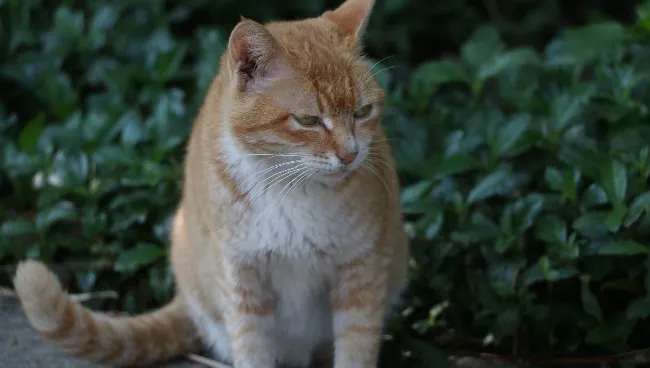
(288,247)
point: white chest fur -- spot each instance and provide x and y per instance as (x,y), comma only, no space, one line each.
(295,240)
(311,217)
(303,318)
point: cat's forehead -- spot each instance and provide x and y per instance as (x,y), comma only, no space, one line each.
(327,61)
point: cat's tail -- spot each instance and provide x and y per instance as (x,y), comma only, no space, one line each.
(146,339)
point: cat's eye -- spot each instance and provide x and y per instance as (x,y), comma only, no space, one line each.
(363,112)
(307,120)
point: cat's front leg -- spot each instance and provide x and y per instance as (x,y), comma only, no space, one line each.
(359,305)
(248,315)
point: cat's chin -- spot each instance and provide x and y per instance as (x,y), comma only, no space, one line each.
(332,177)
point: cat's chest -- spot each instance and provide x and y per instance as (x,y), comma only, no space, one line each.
(300,221)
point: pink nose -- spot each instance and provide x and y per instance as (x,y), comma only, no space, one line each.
(347,157)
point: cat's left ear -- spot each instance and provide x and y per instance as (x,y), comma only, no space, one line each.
(351,16)
(255,57)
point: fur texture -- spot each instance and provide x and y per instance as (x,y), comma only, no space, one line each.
(287,247)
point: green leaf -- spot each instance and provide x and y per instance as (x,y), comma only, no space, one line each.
(507,322)
(141,255)
(212,45)
(61,211)
(18,227)
(538,273)
(646,281)
(435,220)
(585,44)
(614,182)
(551,229)
(101,24)
(482,46)
(623,284)
(511,133)
(31,133)
(498,182)
(589,302)
(638,308)
(594,195)
(622,248)
(567,107)
(480,228)
(431,74)
(527,211)
(169,63)
(132,127)
(554,178)
(68,24)
(614,218)
(614,332)
(86,280)
(640,205)
(642,202)
(586,160)
(511,60)
(591,224)
(416,191)
(455,164)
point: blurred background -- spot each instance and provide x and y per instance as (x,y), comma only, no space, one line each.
(520,128)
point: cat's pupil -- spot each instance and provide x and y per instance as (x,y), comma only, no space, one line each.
(308,120)
(363,112)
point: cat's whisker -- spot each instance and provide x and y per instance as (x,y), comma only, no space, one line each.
(290,182)
(279,154)
(374,171)
(370,70)
(279,176)
(316,172)
(386,139)
(378,160)
(264,187)
(259,189)
(259,173)
(376,74)
(282,175)
(303,176)
(288,185)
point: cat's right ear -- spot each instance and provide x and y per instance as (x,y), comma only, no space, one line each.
(255,57)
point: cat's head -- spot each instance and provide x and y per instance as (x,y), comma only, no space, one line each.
(302,91)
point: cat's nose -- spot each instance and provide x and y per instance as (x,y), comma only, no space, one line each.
(347,155)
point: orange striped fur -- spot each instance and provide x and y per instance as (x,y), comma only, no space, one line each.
(287,247)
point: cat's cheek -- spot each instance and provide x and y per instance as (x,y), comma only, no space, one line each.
(364,133)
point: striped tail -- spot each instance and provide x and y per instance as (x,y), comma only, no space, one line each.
(142,340)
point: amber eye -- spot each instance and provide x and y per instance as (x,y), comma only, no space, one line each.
(307,120)
(363,112)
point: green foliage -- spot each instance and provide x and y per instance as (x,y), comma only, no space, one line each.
(538,238)
(524,158)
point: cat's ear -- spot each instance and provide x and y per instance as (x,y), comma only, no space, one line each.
(351,16)
(255,57)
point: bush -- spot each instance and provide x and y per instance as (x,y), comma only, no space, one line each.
(528,198)
(525,170)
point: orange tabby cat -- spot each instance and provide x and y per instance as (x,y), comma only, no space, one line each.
(287,248)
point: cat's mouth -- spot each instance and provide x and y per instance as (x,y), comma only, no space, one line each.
(339,172)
